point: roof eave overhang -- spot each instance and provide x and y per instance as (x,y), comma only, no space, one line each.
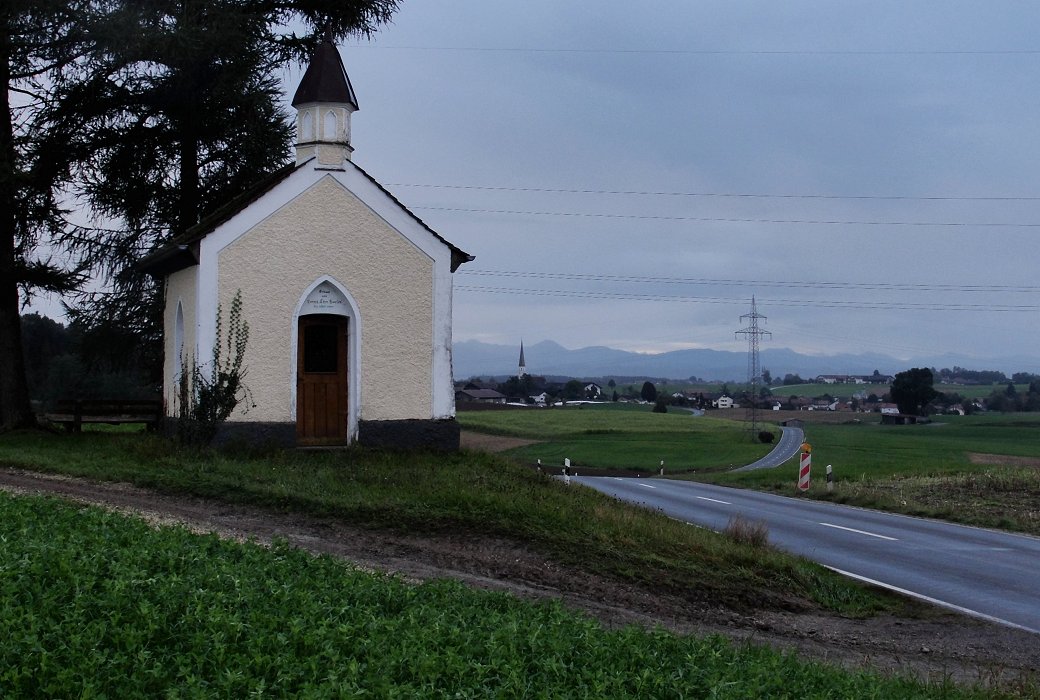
(170,259)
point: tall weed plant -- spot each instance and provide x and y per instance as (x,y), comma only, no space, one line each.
(207,396)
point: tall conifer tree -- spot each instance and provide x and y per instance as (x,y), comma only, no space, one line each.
(158,111)
(38,39)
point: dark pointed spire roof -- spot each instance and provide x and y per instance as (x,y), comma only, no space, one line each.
(326,79)
(522,363)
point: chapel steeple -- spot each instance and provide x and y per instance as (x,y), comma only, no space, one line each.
(522,369)
(324,102)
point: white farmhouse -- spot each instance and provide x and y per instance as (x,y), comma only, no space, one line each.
(348,295)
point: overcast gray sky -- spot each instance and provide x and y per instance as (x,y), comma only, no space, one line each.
(853,142)
(867,170)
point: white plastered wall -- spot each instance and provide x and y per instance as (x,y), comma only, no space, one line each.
(325,231)
(181,292)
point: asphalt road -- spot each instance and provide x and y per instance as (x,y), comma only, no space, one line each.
(985,573)
(790,441)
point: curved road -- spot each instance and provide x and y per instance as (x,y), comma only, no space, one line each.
(790,441)
(985,573)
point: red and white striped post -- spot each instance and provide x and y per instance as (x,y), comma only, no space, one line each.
(804,467)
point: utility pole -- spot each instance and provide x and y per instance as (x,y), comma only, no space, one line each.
(753,334)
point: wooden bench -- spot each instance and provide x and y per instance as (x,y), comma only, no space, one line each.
(74,413)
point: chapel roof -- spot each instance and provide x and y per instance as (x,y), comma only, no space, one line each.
(181,250)
(325,79)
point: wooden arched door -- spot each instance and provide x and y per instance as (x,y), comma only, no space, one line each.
(321,380)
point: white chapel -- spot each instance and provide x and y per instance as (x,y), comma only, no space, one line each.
(347,293)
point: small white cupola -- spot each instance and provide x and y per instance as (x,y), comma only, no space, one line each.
(324,102)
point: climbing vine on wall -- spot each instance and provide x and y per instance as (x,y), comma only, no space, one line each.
(208,395)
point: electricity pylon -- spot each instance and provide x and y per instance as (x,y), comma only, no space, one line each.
(753,334)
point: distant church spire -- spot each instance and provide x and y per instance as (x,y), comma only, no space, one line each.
(324,102)
(522,370)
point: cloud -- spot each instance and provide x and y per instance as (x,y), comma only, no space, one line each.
(916,123)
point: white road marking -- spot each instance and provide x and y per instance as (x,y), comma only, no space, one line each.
(934,601)
(714,500)
(861,532)
(618,478)
(646,486)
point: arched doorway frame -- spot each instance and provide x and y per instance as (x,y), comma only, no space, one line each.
(354,330)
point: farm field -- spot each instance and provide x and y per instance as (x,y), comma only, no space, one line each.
(98,604)
(621,436)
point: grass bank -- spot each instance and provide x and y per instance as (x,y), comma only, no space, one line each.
(100,605)
(460,493)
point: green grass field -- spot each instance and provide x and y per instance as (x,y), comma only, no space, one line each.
(620,436)
(100,605)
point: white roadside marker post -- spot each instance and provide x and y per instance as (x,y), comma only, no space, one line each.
(830,479)
(662,467)
(567,471)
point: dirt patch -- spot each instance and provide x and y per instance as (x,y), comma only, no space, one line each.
(1003,460)
(492,443)
(942,646)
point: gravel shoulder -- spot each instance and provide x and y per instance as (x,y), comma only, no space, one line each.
(941,646)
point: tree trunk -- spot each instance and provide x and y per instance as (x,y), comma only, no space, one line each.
(15,410)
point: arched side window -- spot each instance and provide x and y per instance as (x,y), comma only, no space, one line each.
(331,126)
(178,341)
(307,126)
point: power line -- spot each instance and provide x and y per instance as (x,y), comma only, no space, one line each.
(731,220)
(793,303)
(711,52)
(872,286)
(735,195)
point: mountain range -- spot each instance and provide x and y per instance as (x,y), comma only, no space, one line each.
(473,358)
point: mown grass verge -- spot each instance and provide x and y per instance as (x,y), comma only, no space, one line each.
(977,470)
(100,605)
(460,493)
(603,436)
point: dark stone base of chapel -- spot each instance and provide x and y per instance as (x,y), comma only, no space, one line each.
(441,435)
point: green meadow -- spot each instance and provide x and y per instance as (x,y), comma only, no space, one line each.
(620,436)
